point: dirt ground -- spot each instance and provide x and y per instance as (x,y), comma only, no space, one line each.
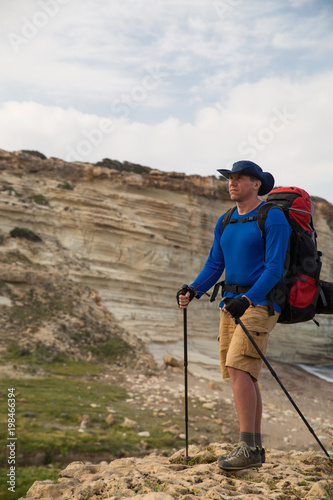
(282,426)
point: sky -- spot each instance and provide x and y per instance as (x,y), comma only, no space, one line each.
(175,85)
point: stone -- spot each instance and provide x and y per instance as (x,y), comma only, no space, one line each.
(171,361)
(214,386)
(28,414)
(174,429)
(154,496)
(209,406)
(218,421)
(130,424)
(318,490)
(84,422)
(111,419)
(157,477)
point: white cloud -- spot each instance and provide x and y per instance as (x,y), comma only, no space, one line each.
(300,3)
(282,125)
(313,35)
(224,71)
(88,51)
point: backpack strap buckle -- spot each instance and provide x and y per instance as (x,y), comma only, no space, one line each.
(235,289)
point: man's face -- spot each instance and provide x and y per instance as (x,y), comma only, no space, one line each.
(243,187)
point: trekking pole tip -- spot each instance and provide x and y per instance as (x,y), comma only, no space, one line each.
(186,458)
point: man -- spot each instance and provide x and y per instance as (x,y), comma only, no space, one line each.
(252,268)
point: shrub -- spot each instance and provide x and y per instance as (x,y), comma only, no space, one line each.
(20,232)
(40,200)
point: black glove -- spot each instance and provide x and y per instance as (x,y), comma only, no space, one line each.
(237,307)
(184,290)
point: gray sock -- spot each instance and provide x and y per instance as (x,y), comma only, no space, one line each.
(257,440)
(248,437)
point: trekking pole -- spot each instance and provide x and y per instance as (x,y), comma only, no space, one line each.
(186,457)
(282,386)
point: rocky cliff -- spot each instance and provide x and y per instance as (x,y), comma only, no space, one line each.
(134,235)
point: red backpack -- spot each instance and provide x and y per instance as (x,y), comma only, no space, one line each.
(299,290)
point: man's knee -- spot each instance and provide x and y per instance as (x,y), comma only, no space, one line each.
(236,374)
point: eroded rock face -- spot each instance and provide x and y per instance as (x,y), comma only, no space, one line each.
(284,475)
(135,238)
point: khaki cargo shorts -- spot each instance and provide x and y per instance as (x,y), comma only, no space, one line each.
(236,350)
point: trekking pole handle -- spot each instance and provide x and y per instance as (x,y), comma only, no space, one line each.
(187,288)
(191,289)
(184,290)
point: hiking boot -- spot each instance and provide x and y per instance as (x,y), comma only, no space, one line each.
(242,457)
(262,454)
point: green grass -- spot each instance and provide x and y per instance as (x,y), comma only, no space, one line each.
(24,478)
(57,403)
(113,349)
(48,412)
(329,490)
(65,185)
(10,189)
(13,257)
(57,363)
(36,309)
(72,368)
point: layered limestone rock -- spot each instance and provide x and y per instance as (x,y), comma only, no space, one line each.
(284,476)
(135,235)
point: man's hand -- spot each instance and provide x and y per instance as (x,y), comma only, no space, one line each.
(185,295)
(236,307)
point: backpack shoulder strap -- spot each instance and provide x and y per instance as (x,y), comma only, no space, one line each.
(227,217)
(225,221)
(261,219)
(262,215)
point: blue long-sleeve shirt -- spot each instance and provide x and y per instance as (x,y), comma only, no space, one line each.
(239,250)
